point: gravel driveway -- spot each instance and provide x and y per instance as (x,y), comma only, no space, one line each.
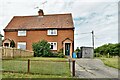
(94,68)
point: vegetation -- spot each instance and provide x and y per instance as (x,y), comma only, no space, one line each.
(25,75)
(41,58)
(77,50)
(108,49)
(37,66)
(109,54)
(42,49)
(60,54)
(12,44)
(111,62)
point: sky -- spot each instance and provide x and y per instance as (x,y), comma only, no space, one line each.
(101,16)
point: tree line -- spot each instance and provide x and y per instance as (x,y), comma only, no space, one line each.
(111,49)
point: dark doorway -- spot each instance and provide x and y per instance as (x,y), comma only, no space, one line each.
(6,44)
(67,49)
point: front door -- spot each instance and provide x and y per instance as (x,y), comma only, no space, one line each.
(67,49)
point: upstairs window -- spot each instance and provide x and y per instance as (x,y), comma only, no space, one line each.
(22,33)
(52,32)
(53,45)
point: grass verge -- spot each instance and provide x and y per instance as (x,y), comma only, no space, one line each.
(111,62)
(39,67)
(23,75)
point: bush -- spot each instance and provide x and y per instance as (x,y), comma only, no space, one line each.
(77,50)
(97,55)
(60,53)
(41,48)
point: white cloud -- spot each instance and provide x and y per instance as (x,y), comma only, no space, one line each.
(98,15)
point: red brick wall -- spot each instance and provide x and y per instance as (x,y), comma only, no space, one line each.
(35,36)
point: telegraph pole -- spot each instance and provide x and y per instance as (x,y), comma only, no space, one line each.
(93,38)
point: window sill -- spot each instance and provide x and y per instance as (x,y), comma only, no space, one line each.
(52,35)
(21,36)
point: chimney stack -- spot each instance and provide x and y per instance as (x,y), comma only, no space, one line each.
(40,12)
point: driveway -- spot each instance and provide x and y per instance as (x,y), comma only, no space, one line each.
(94,68)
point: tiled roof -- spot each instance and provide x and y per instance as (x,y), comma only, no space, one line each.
(41,22)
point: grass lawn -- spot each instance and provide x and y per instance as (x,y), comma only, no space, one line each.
(111,62)
(23,75)
(38,67)
(41,58)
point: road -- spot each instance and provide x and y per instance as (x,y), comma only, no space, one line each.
(94,68)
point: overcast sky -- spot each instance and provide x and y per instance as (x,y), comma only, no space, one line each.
(98,15)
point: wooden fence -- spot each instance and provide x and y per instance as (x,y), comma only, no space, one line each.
(72,65)
(43,67)
(13,53)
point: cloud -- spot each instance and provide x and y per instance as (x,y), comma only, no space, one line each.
(102,19)
(98,15)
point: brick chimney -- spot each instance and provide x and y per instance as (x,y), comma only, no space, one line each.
(40,12)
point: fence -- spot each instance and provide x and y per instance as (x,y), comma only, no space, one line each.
(43,67)
(13,52)
(72,65)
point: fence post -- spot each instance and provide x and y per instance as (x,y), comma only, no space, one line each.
(13,52)
(73,68)
(28,65)
(69,63)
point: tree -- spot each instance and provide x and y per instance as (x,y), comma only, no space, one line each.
(77,50)
(112,49)
(41,48)
(12,44)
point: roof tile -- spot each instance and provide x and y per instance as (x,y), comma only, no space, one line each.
(39,22)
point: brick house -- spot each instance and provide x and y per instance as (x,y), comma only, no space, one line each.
(57,29)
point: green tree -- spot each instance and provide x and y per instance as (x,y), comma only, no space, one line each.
(77,50)
(41,48)
(112,49)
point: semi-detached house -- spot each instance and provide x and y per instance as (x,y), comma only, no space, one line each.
(57,29)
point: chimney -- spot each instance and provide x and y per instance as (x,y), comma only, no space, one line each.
(40,12)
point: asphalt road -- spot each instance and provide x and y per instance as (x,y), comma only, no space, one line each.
(94,68)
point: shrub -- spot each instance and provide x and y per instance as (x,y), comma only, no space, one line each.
(77,50)
(41,48)
(60,53)
(97,55)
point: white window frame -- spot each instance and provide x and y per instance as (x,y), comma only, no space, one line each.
(23,33)
(54,47)
(52,32)
(21,43)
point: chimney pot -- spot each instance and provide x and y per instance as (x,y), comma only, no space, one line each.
(40,12)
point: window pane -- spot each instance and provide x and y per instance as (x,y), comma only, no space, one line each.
(22,45)
(21,33)
(51,43)
(55,47)
(54,43)
(52,32)
(51,47)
